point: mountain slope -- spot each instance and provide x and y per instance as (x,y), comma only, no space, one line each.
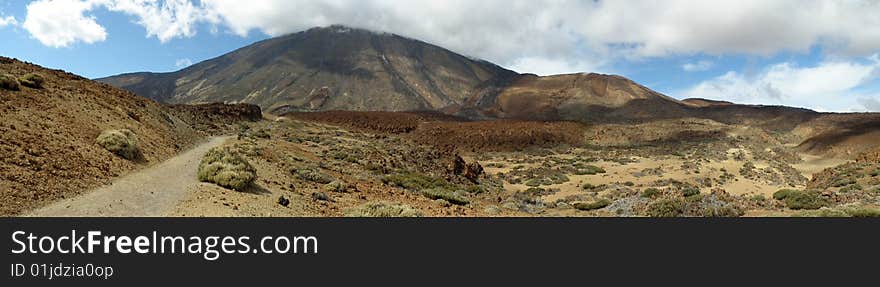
(324,69)
(48,148)
(340,68)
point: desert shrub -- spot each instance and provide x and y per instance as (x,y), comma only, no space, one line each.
(844,182)
(9,82)
(383,209)
(805,200)
(534,182)
(336,186)
(415,181)
(121,142)
(875,173)
(32,80)
(591,205)
(666,208)
(690,191)
(263,134)
(697,206)
(589,170)
(783,193)
(851,188)
(445,194)
(758,198)
(475,189)
(862,211)
(345,157)
(650,192)
(227,168)
(859,211)
(313,174)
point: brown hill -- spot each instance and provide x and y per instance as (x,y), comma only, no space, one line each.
(48,146)
(578,97)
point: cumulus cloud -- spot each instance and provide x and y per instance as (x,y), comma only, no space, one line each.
(7,21)
(556,35)
(60,23)
(826,86)
(698,66)
(164,20)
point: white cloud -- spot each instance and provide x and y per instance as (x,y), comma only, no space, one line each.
(698,66)
(164,20)
(658,28)
(60,23)
(7,21)
(183,63)
(827,86)
(555,35)
(512,32)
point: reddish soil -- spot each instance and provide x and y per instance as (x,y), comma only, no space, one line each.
(501,135)
(381,122)
(452,133)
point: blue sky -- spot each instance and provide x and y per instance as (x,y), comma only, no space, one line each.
(816,54)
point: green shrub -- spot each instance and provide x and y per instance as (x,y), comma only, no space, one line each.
(336,186)
(534,182)
(313,175)
(227,168)
(650,192)
(875,173)
(445,194)
(32,81)
(589,170)
(851,188)
(690,191)
(591,205)
(415,181)
(9,82)
(805,200)
(844,182)
(383,209)
(588,186)
(697,206)
(666,208)
(758,198)
(860,211)
(121,142)
(783,193)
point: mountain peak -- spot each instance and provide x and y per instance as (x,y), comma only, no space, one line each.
(338,67)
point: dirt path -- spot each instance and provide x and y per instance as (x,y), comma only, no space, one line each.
(154,191)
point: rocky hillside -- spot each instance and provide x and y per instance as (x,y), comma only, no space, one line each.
(341,68)
(332,68)
(48,132)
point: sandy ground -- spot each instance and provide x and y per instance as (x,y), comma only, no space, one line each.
(620,173)
(154,191)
